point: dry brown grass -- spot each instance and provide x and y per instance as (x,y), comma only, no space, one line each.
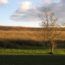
(15,33)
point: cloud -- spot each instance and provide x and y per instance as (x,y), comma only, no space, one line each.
(3,2)
(47,1)
(25,6)
(26,13)
(25,16)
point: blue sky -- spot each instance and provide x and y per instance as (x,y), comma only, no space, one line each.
(9,8)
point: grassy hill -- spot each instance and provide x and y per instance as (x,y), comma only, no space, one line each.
(18,36)
(23,33)
(20,33)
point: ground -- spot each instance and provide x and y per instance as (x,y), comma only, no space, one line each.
(32,60)
(31,51)
(31,57)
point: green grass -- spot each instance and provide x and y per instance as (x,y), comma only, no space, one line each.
(31,57)
(59,51)
(32,60)
(22,51)
(30,51)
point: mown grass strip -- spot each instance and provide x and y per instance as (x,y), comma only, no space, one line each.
(30,51)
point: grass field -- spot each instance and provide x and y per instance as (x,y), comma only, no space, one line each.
(32,60)
(36,34)
(31,57)
(30,51)
(12,38)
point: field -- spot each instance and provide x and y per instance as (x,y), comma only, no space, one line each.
(16,37)
(31,51)
(26,46)
(31,57)
(22,33)
(32,60)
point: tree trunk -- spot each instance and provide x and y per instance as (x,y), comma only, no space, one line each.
(52,47)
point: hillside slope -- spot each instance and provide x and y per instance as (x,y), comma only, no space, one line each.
(23,33)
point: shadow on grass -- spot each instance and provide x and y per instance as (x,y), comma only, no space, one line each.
(32,60)
(18,44)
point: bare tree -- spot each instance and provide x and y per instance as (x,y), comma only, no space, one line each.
(49,23)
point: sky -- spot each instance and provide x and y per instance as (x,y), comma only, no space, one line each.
(24,12)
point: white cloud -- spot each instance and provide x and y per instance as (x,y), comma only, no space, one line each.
(2,2)
(24,14)
(47,1)
(26,5)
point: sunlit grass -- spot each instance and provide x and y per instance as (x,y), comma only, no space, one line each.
(22,51)
(30,51)
(59,51)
